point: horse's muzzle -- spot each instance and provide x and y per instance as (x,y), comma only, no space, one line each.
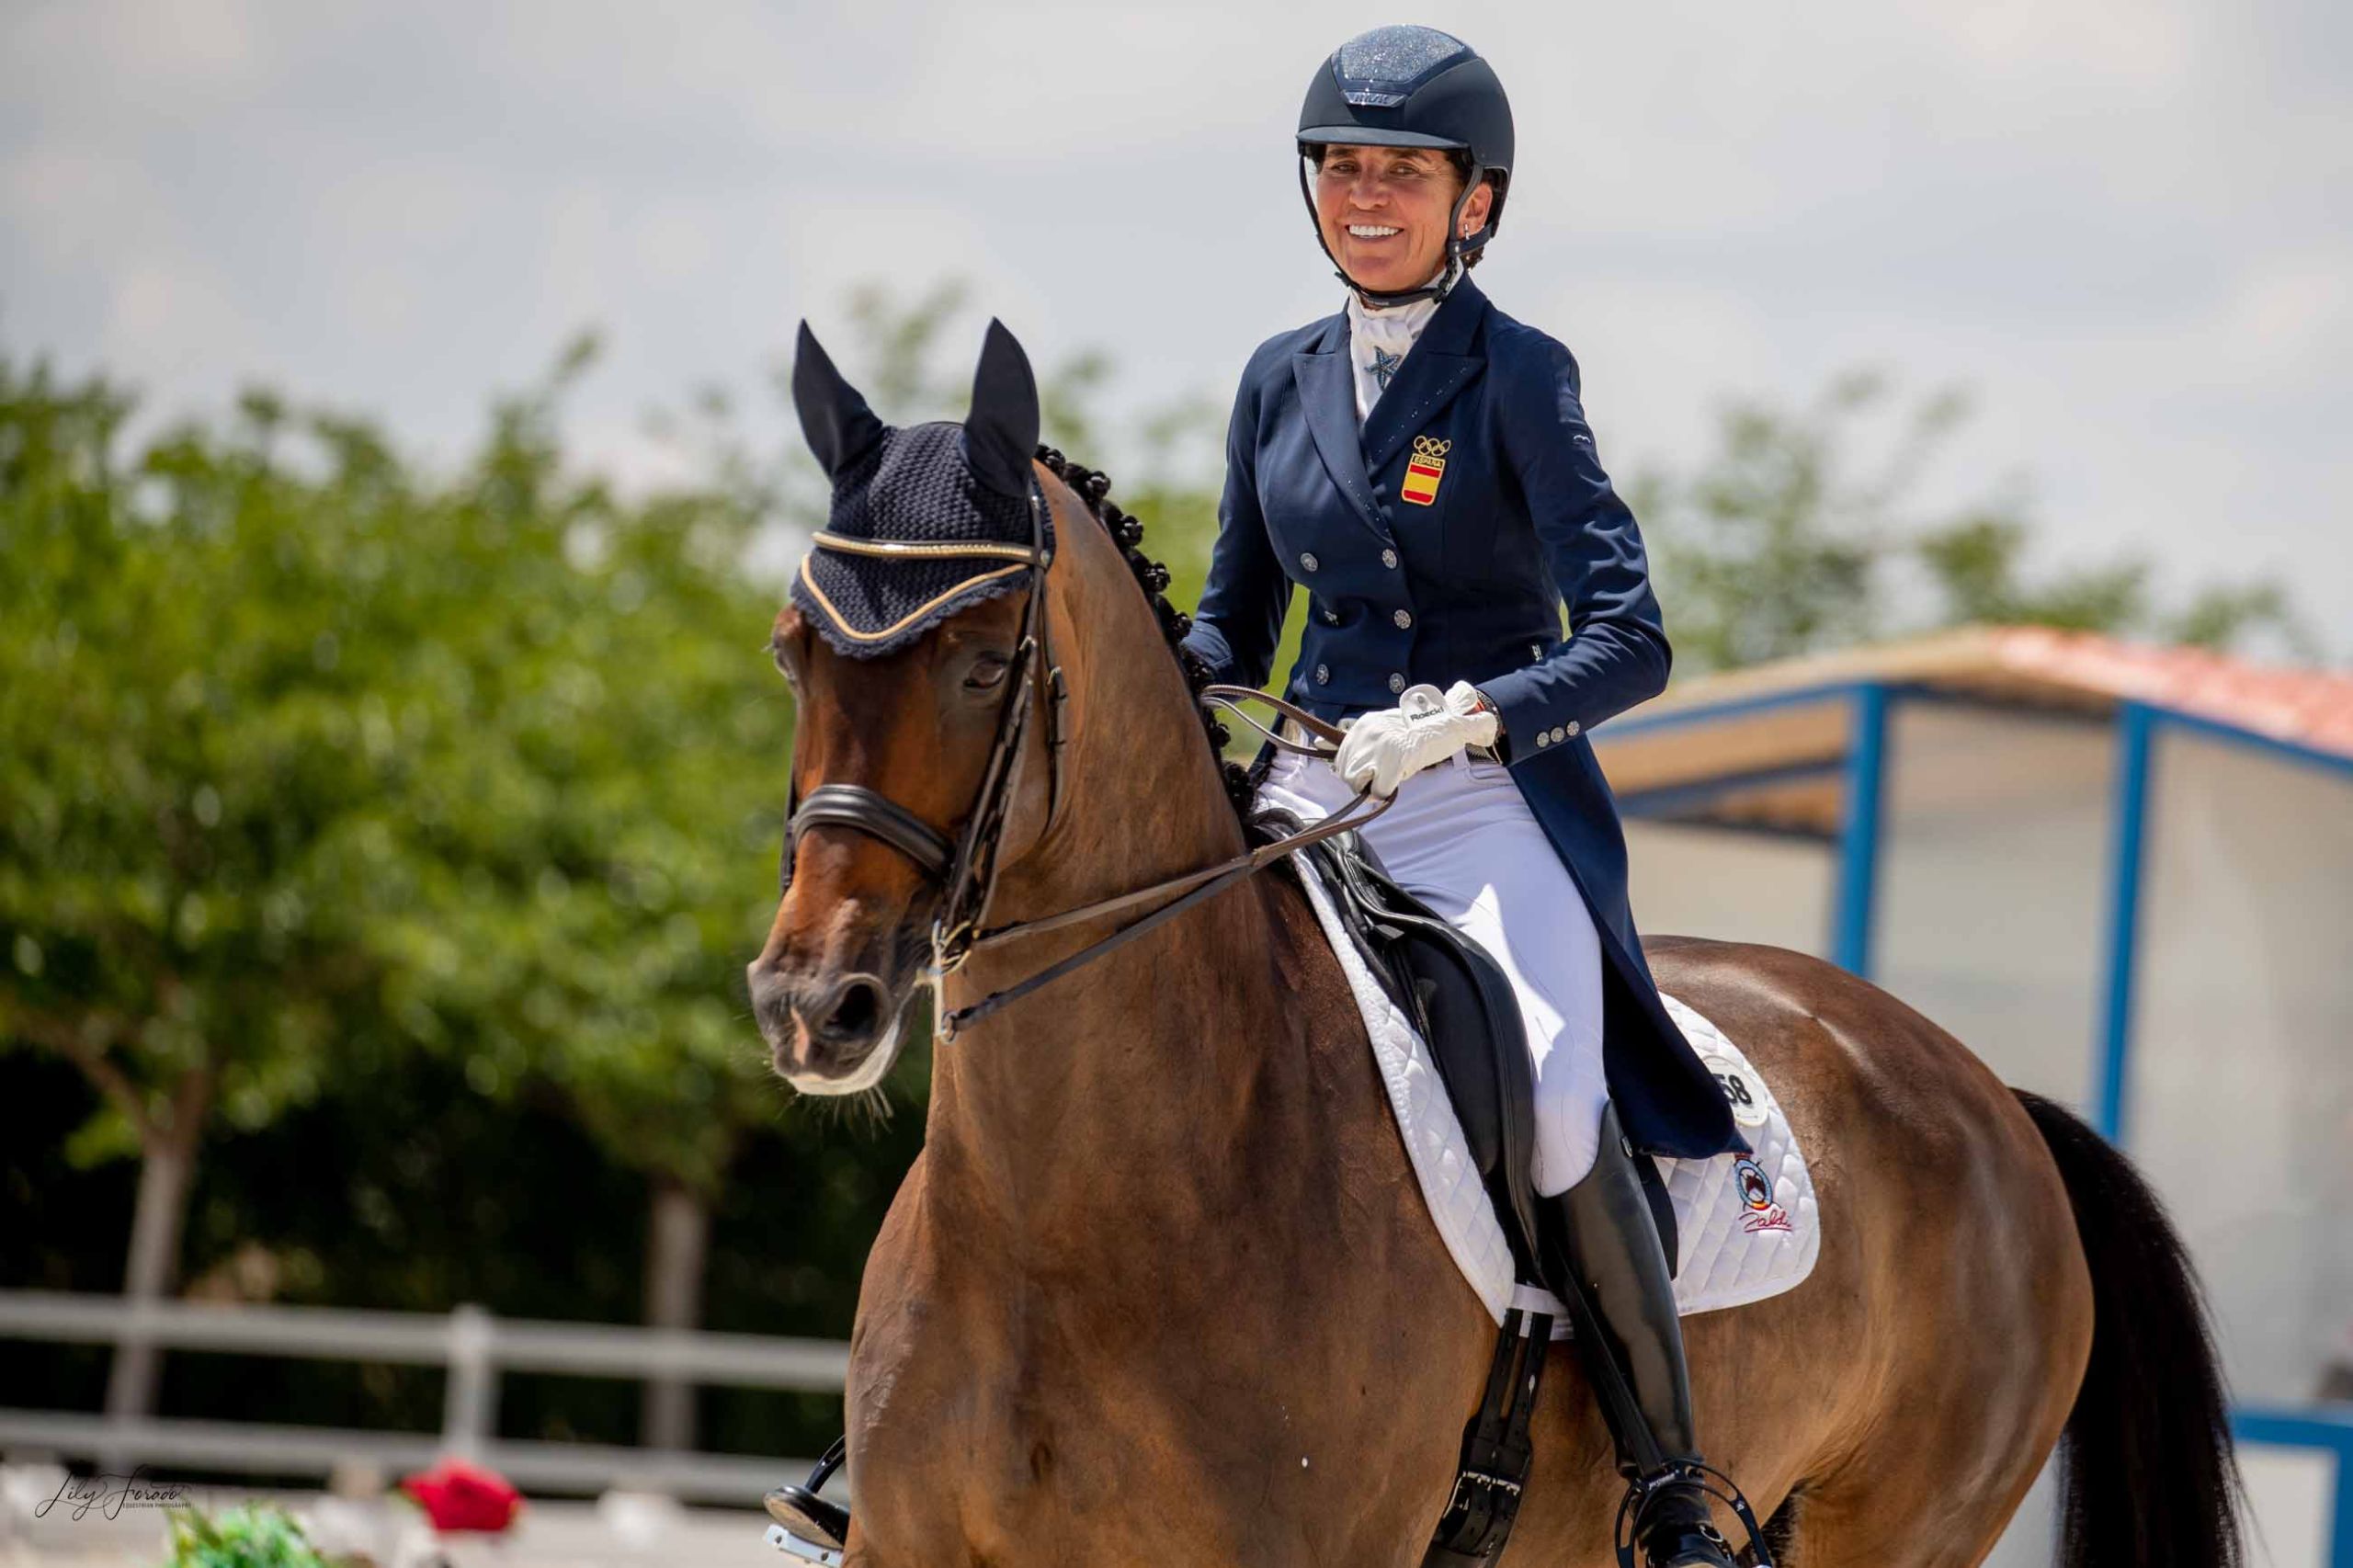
(831,1032)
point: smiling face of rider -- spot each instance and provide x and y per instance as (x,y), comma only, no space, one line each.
(1383,213)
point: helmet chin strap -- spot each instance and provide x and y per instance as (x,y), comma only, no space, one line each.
(1457,246)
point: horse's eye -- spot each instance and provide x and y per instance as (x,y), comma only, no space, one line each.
(988,671)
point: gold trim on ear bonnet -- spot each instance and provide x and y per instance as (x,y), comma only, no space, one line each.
(914,511)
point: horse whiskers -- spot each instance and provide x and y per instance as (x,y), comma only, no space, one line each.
(875,1104)
(835,1112)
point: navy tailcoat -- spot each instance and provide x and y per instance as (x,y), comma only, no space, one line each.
(1438,542)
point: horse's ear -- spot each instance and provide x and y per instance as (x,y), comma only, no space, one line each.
(1001,433)
(840,427)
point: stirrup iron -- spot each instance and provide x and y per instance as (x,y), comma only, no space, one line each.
(1634,1509)
(806,1526)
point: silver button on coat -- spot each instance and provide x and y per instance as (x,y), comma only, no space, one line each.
(1389,558)
(1396,683)
(1307,560)
(1404,619)
(1323,675)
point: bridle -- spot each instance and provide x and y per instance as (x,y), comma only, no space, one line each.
(965,866)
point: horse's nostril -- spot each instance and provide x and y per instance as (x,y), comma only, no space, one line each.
(857,1011)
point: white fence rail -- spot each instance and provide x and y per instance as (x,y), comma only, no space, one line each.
(474,1347)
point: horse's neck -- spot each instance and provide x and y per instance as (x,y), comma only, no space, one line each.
(1149,1084)
(1153,1079)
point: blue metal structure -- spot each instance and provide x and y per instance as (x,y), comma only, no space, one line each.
(2139,726)
(1850,944)
(2136,730)
(2325,1428)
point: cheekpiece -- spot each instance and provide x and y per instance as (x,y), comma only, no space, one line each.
(913,537)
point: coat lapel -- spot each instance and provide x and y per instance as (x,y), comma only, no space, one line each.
(1327,393)
(1440,364)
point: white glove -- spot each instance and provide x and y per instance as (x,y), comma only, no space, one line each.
(1382,750)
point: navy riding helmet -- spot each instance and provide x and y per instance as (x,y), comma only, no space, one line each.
(1411,88)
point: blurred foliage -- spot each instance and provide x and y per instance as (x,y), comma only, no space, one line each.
(1788,540)
(417,813)
(256,1537)
(305,758)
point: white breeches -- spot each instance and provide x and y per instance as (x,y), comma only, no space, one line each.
(1461,838)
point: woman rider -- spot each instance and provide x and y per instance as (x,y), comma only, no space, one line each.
(1420,463)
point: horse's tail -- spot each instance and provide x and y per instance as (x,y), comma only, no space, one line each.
(2149,1476)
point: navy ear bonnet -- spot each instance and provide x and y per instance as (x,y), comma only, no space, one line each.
(926,521)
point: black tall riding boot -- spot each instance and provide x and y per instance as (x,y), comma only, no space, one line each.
(1612,1247)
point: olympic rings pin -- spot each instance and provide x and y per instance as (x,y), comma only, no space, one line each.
(1424,469)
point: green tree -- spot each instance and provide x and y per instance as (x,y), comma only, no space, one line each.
(201,722)
(609,883)
(302,756)
(1788,539)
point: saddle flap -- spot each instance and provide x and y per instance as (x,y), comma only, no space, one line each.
(1750,1225)
(1462,1005)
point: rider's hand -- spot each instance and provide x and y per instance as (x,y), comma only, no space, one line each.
(1383,749)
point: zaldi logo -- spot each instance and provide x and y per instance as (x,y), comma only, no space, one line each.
(1424,469)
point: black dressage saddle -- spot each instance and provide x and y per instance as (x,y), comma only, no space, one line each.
(1460,1000)
(1461,1004)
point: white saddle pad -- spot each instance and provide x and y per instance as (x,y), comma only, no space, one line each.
(1749,1226)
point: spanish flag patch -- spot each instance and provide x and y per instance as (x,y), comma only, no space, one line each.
(1423,469)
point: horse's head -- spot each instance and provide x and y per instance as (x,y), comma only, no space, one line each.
(920,666)
(939,668)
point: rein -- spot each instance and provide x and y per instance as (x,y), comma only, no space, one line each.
(1203,884)
(966,867)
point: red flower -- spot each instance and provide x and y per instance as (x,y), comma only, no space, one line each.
(460,1496)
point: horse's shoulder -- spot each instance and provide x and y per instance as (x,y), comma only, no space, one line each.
(1301,953)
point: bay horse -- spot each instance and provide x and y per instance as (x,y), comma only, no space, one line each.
(1161,1287)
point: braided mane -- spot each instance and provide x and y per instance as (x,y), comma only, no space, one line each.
(1094,487)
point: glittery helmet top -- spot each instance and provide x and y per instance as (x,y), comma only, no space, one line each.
(1408,87)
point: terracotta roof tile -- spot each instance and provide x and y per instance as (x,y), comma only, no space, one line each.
(2309,706)
(2314,708)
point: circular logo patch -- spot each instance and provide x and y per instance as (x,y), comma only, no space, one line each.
(1741,1088)
(1754,1190)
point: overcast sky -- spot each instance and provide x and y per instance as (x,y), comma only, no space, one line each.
(2124,226)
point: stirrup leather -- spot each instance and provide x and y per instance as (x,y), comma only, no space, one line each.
(806,1526)
(1643,1493)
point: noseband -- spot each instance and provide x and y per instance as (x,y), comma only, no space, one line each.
(965,866)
